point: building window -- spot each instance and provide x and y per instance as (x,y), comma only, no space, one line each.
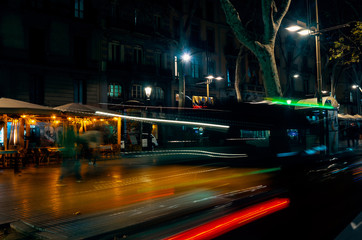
(210,40)
(158,59)
(79,92)
(80,50)
(114,90)
(115,10)
(135,17)
(137,91)
(176,27)
(195,68)
(159,94)
(37,43)
(210,10)
(157,23)
(79,9)
(195,34)
(115,52)
(211,67)
(176,64)
(230,75)
(137,55)
(38,4)
(36,89)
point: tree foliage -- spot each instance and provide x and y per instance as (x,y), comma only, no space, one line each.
(348,47)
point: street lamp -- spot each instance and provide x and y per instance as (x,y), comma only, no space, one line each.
(295,75)
(186,57)
(356,86)
(208,81)
(148,91)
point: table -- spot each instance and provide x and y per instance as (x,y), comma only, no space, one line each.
(6,155)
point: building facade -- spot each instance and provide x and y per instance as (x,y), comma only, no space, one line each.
(56,52)
(91,51)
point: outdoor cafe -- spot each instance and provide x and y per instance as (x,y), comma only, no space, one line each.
(32,134)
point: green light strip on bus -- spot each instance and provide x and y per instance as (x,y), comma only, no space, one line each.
(289,102)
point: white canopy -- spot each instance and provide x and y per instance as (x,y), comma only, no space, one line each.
(12,106)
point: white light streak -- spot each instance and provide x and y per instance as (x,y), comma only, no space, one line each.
(163,120)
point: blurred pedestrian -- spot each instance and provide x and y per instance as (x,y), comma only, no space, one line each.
(91,140)
(352,135)
(70,163)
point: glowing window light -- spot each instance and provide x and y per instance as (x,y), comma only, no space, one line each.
(232,221)
(164,120)
(54,117)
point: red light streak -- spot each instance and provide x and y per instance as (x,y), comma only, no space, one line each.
(232,221)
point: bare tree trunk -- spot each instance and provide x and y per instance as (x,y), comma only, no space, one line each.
(266,58)
(238,77)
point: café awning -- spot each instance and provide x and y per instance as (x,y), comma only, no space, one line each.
(12,106)
(75,108)
(81,109)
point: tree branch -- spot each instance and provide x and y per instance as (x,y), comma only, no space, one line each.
(279,15)
(272,17)
(192,11)
(267,7)
(233,19)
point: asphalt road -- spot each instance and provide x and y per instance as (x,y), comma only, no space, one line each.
(319,209)
(323,200)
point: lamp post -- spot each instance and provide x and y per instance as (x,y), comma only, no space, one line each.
(208,81)
(185,58)
(358,97)
(301,29)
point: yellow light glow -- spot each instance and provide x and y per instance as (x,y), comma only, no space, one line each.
(32,121)
(23,116)
(69,119)
(54,117)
